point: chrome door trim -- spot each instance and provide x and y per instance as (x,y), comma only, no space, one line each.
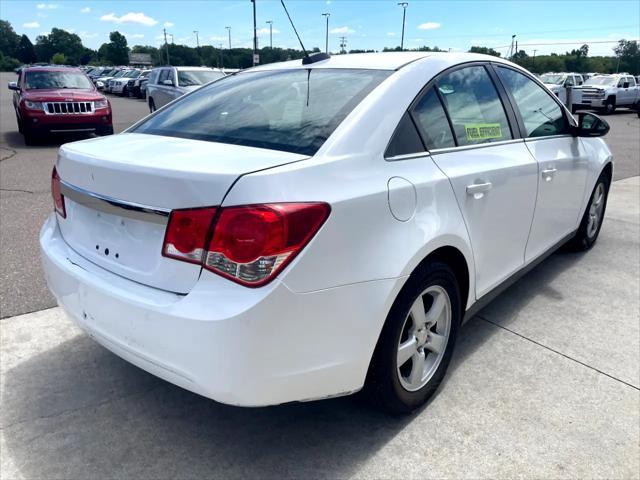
(114,206)
(462,148)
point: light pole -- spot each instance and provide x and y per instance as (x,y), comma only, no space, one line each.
(198,44)
(404,16)
(256,59)
(166,45)
(326,41)
(229,30)
(270,22)
(172,42)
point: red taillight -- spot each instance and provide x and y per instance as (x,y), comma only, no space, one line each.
(56,193)
(186,235)
(250,244)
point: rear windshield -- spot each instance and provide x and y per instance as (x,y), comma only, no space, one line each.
(289,110)
(188,78)
(44,80)
(601,81)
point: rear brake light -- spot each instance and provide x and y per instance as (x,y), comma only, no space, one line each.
(186,235)
(249,245)
(56,193)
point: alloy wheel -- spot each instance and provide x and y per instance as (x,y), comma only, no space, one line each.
(424,338)
(595,210)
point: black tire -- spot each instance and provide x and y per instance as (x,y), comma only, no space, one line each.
(152,105)
(383,386)
(104,131)
(610,106)
(20,127)
(586,236)
(30,138)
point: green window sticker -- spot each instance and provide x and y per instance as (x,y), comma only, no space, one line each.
(482,131)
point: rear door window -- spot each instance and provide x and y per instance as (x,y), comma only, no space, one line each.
(474,106)
(541,114)
(432,121)
(164,75)
(291,110)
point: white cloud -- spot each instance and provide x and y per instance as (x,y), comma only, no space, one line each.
(88,35)
(342,30)
(85,10)
(265,31)
(131,17)
(328,2)
(134,35)
(168,24)
(31,25)
(46,6)
(391,34)
(429,26)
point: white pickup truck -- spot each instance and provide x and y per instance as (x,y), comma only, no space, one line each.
(559,82)
(607,92)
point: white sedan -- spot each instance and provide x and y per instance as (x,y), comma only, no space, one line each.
(305,230)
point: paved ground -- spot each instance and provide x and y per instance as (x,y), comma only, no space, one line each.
(544,384)
(25,199)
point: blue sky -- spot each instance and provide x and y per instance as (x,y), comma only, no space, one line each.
(455,24)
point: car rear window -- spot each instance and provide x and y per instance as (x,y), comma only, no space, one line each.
(189,78)
(291,110)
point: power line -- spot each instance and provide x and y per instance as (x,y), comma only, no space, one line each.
(560,43)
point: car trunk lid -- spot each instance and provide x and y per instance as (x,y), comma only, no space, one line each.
(120,189)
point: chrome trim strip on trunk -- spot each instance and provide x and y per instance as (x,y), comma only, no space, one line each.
(114,206)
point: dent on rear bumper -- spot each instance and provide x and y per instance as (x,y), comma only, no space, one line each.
(240,346)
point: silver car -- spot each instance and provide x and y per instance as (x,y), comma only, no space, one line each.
(168,83)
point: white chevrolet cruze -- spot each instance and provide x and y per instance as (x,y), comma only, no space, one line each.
(305,230)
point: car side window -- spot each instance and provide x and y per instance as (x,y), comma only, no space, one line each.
(164,75)
(632,81)
(474,106)
(405,140)
(432,121)
(541,114)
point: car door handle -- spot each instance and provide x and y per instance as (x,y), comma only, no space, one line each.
(549,173)
(478,189)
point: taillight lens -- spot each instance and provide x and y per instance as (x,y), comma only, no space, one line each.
(186,235)
(250,244)
(56,193)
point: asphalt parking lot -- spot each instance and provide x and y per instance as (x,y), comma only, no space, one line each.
(545,381)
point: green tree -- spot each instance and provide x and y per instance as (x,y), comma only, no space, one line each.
(59,59)
(26,52)
(628,53)
(484,50)
(9,39)
(59,41)
(116,52)
(8,64)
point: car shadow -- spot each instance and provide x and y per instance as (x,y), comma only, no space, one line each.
(14,139)
(78,411)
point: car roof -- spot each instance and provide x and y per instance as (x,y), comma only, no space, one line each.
(382,60)
(51,69)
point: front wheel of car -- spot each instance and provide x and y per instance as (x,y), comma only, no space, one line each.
(104,131)
(30,138)
(417,341)
(591,222)
(152,105)
(610,106)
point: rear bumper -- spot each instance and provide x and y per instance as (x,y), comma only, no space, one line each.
(248,347)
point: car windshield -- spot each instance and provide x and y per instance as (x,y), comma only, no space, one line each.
(133,74)
(188,78)
(290,110)
(552,79)
(121,73)
(601,81)
(44,80)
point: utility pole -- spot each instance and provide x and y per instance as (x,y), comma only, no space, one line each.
(404,16)
(270,22)
(256,58)
(229,30)
(343,44)
(511,48)
(326,41)
(221,61)
(166,45)
(198,45)
(172,42)
(533,62)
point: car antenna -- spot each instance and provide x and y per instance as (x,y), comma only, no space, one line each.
(316,57)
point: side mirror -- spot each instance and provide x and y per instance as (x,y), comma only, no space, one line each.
(625,85)
(169,83)
(590,125)
(568,83)
(13,86)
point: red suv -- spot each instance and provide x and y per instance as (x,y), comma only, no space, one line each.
(58,100)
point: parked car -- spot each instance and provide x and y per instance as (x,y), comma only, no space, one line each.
(120,85)
(58,100)
(168,83)
(608,92)
(117,77)
(105,76)
(133,85)
(143,88)
(558,83)
(307,229)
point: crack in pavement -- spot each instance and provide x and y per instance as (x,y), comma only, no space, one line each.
(15,190)
(557,352)
(12,153)
(76,409)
